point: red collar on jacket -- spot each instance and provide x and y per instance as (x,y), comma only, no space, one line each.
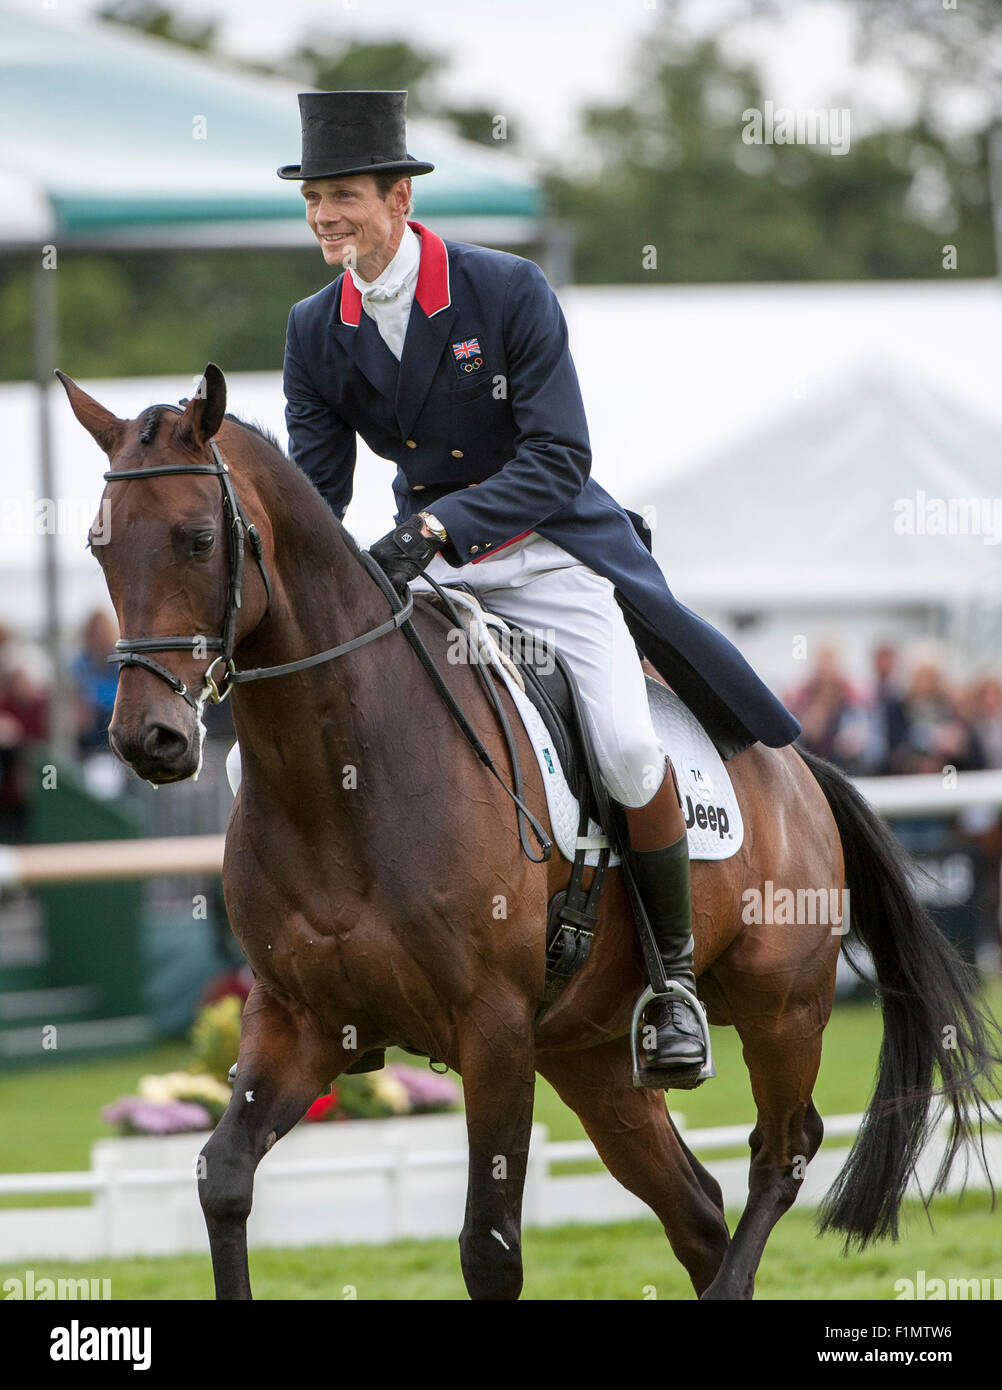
(432,291)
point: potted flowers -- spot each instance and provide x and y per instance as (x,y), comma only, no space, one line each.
(184,1102)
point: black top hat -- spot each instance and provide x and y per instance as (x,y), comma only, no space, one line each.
(353,133)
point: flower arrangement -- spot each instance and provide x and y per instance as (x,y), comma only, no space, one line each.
(215,1037)
(182,1101)
(133,1115)
(396,1090)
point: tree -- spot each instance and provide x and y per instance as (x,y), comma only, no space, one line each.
(334,65)
(674,190)
(949,48)
(158,20)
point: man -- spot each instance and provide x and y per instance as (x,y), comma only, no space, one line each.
(452,360)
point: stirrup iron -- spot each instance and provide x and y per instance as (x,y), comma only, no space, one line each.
(708,1070)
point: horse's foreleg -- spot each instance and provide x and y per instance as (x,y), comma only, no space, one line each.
(498,1086)
(283,1065)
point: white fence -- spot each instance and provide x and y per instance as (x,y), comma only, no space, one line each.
(366,1181)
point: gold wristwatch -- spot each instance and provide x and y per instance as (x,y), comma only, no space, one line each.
(434,525)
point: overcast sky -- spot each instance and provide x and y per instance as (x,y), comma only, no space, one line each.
(540,61)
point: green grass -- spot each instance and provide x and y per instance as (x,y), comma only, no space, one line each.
(51,1117)
(623,1261)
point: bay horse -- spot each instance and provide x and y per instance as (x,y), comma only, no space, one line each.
(368,851)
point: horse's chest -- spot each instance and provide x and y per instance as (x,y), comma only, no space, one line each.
(307,957)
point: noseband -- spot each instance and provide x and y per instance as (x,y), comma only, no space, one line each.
(134,651)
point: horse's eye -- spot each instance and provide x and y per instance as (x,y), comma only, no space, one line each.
(203,542)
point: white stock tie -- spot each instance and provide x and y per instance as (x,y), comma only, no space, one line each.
(382,294)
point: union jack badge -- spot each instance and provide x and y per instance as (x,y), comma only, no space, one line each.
(469,356)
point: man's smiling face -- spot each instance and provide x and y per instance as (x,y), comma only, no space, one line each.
(353,223)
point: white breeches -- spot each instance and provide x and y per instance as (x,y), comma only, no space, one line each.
(551,594)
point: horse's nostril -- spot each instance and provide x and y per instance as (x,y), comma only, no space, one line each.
(164,743)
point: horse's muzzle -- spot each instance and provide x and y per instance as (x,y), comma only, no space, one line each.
(157,750)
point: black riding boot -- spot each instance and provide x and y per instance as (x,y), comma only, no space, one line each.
(662,877)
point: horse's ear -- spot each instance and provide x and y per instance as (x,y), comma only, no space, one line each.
(204,412)
(106,429)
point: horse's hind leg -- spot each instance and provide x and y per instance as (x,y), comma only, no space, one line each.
(283,1065)
(783,1059)
(499,1080)
(638,1143)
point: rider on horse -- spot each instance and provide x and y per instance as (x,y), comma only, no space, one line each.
(452,360)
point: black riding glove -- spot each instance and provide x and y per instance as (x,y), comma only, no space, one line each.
(404,552)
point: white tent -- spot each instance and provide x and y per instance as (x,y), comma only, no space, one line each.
(883,493)
(672,374)
(734,417)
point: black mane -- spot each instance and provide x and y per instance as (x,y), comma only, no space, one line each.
(150,424)
(259,430)
(297,478)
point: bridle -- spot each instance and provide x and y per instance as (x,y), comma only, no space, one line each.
(134,651)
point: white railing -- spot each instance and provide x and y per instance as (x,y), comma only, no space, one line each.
(28,865)
(388,1189)
(935,793)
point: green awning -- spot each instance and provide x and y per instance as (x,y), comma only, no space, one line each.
(114,138)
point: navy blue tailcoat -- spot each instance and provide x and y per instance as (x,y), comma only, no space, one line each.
(486,393)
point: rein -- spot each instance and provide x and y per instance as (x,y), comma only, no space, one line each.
(424,656)
(134,651)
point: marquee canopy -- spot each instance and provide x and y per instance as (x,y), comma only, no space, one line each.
(113,138)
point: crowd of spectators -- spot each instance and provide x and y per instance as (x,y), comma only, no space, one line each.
(25,694)
(914,715)
(95,683)
(24,717)
(26,689)
(906,718)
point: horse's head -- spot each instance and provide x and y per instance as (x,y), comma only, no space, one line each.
(169,557)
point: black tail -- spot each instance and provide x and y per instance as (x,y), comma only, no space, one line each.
(932,1020)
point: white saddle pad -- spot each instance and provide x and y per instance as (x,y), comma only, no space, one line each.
(713,816)
(712,813)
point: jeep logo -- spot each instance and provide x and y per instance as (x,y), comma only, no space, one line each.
(707,818)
